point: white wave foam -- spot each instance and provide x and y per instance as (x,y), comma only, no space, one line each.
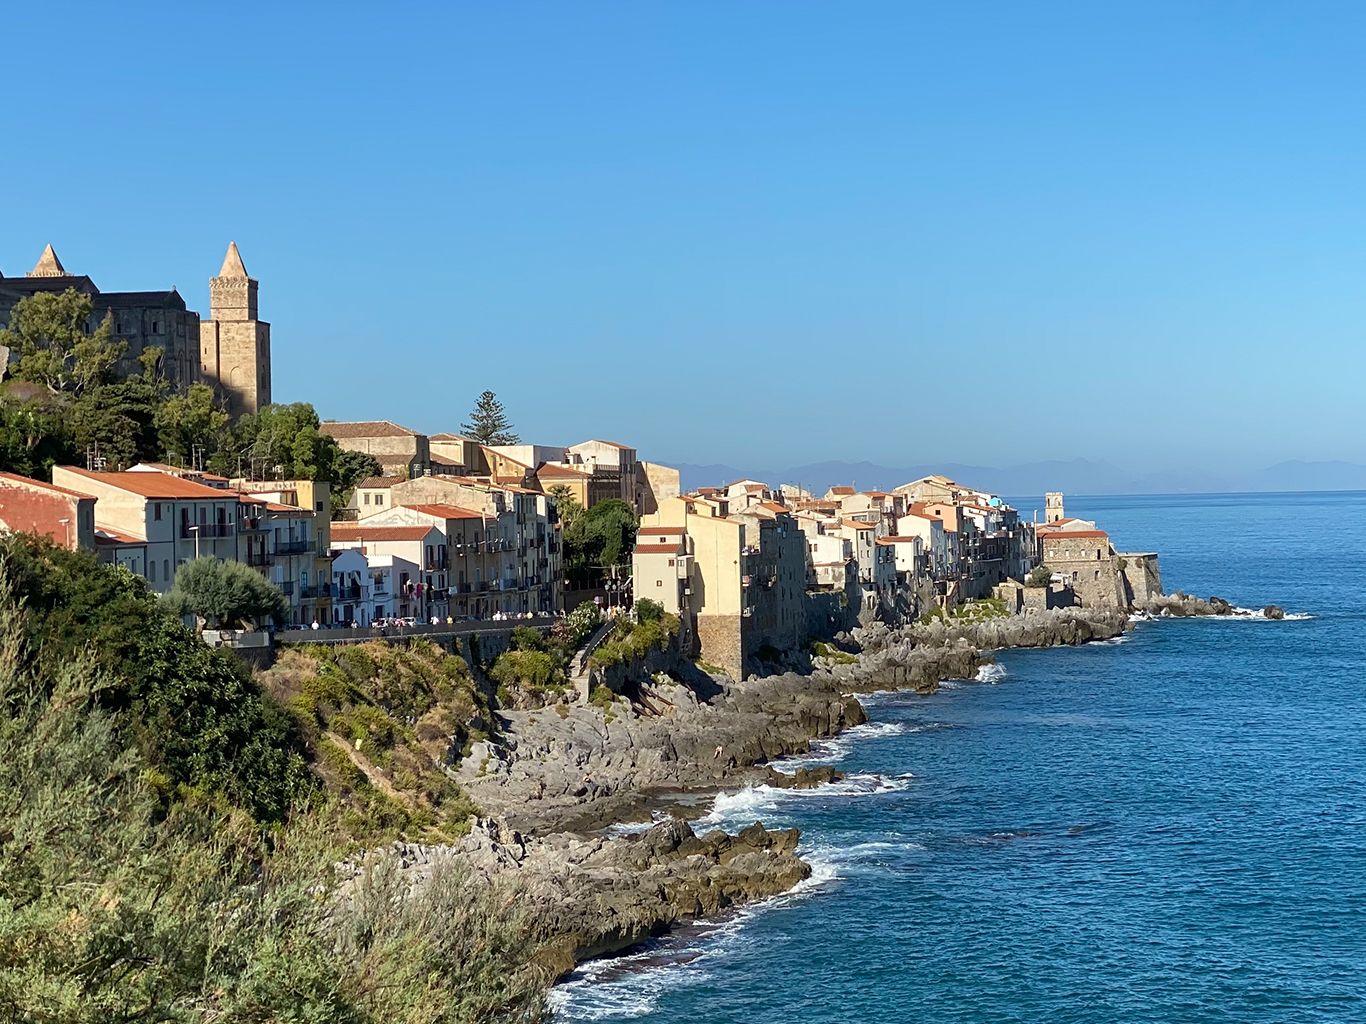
(991,673)
(837,748)
(630,828)
(751,803)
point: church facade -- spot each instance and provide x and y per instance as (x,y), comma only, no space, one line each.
(230,351)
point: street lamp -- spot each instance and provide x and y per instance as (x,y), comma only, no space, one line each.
(67,524)
(195,531)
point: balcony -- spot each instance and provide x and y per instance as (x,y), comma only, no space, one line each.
(286,588)
(257,559)
(293,547)
(465,588)
(317,590)
(205,531)
(350,593)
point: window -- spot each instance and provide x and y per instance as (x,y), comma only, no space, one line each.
(151,570)
(366,499)
(166,569)
(379,499)
(319,508)
(156,511)
(155,325)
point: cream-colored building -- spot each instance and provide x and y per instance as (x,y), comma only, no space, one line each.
(745,583)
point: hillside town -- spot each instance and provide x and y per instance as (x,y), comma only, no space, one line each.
(457,528)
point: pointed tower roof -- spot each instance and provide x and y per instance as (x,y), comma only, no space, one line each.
(232,263)
(48,265)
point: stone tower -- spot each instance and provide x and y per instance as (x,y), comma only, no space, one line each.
(1052,508)
(234,346)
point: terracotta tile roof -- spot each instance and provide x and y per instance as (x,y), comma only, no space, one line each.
(897,540)
(359,531)
(551,471)
(657,549)
(154,485)
(441,460)
(364,428)
(448,436)
(856,525)
(372,482)
(1068,534)
(104,535)
(841,490)
(610,444)
(43,485)
(661,530)
(444,511)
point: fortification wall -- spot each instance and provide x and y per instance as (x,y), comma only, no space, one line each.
(1142,578)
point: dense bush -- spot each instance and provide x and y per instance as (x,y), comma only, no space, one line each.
(195,713)
(630,641)
(648,611)
(1041,576)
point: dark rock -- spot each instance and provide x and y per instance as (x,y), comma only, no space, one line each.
(1274,611)
(1220,606)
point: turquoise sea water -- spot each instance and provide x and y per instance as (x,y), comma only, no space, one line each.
(1168,828)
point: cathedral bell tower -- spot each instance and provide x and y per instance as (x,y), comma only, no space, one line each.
(234,346)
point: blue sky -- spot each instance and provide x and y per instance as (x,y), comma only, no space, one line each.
(763,234)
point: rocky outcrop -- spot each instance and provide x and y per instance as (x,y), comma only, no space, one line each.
(584,766)
(1179,605)
(587,896)
(1034,628)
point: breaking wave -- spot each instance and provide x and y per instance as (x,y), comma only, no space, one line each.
(837,748)
(992,673)
(745,806)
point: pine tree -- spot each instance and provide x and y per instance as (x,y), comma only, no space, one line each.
(488,422)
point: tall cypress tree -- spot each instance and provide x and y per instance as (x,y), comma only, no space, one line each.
(488,422)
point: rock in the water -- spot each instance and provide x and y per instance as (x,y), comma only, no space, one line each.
(1274,611)
(1220,606)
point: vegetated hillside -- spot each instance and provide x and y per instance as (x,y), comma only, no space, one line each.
(387,725)
(167,852)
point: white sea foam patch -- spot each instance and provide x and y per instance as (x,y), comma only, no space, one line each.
(747,805)
(992,673)
(626,987)
(837,748)
(1260,613)
(630,828)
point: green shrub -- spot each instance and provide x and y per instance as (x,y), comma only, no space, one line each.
(648,611)
(524,638)
(1041,576)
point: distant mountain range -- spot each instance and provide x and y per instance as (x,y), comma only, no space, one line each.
(1079,476)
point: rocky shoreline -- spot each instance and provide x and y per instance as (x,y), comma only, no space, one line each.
(560,775)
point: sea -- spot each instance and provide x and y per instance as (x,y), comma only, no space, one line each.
(1168,827)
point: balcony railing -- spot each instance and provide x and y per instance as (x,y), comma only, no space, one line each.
(286,588)
(293,547)
(317,590)
(259,558)
(353,592)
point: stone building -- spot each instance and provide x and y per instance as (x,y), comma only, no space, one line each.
(399,451)
(234,345)
(140,320)
(230,351)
